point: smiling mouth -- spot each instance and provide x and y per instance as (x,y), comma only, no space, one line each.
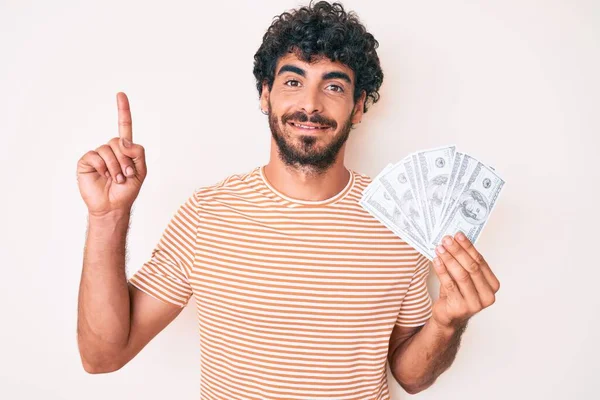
(308,128)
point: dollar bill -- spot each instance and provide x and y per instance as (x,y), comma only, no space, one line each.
(473,205)
(396,183)
(463,174)
(433,193)
(381,205)
(458,156)
(434,168)
(418,188)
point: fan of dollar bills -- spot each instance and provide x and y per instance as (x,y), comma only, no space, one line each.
(433,193)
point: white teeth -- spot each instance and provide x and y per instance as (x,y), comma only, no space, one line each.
(306,126)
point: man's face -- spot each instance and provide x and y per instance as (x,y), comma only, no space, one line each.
(311,110)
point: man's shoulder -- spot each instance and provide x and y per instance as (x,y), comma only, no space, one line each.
(362,176)
(231,183)
(236,178)
(362,180)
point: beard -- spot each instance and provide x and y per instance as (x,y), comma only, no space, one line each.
(306,154)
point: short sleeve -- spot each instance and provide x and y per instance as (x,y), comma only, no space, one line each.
(417,305)
(165,275)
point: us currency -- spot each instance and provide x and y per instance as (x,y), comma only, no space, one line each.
(381,205)
(467,165)
(434,167)
(473,205)
(396,183)
(419,189)
(458,156)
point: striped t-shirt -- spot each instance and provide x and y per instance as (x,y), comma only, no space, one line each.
(295,299)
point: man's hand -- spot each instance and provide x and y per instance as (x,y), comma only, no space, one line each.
(467,284)
(111,176)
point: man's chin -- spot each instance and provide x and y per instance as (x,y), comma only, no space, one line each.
(315,145)
(303,155)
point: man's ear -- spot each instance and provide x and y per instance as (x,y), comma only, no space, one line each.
(264,97)
(357,112)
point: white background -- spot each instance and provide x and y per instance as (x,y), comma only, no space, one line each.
(514,83)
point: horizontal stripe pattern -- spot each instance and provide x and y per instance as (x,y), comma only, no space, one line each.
(295,299)
(166,275)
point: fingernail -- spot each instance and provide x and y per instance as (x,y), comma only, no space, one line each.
(129,171)
(441,249)
(126,142)
(120,178)
(447,240)
(460,236)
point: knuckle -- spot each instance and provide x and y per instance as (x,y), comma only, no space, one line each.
(450,286)
(496,286)
(114,166)
(473,267)
(102,148)
(479,304)
(489,300)
(479,259)
(100,163)
(463,277)
(116,150)
(88,158)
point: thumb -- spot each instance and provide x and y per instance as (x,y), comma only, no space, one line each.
(136,152)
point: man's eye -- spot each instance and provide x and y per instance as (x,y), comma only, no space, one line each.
(292,80)
(337,88)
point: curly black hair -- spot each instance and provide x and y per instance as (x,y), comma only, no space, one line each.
(322,29)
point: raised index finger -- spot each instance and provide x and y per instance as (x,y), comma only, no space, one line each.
(124,117)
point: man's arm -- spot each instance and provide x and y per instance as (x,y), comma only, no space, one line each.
(115,319)
(467,286)
(417,361)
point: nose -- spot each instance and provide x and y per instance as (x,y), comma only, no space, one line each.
(311,101)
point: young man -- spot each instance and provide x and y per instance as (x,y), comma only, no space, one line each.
(300,293)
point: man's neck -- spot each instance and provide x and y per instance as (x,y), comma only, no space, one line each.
(302,184)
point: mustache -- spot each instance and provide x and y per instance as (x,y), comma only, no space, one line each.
(300,116)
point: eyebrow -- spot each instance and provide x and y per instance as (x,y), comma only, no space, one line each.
(338,75)
(327,75)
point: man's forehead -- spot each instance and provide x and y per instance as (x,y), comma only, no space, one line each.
(319,63)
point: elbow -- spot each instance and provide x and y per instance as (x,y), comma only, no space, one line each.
(411,389)
(414,388)
(104,366)
(91,369)
(100,369)
(99,361)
